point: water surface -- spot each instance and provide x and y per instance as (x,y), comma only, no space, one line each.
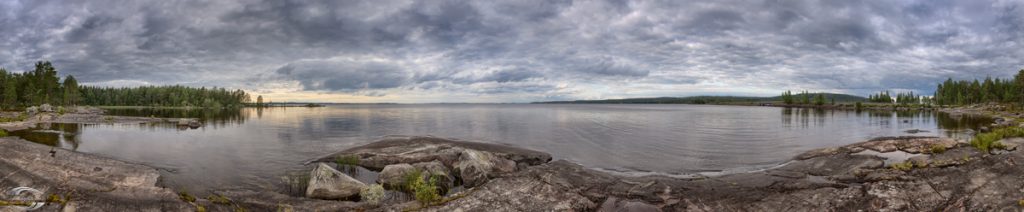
(254,148)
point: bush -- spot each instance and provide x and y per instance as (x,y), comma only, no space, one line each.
(424,189)
(3,133)
(938,148)
(372,194)
(904,166)
(990,140)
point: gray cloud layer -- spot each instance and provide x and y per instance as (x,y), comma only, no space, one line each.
(530,49)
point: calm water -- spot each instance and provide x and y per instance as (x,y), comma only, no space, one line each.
(254,148)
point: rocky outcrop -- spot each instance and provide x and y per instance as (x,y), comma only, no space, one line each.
(393,176)
(416,149)
(476,167)
(472,162)
(328,183)
(83,182)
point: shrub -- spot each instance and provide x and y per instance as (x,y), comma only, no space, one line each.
(424,189)
(904,166)
(990,140)
(3,133)
(372,194)
(938,148)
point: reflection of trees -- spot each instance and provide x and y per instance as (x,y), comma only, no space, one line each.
(215,117)
(960,122)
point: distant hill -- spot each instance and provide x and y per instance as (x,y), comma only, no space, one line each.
(707,100)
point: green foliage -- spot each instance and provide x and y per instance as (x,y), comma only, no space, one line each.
(904,166)
(3,133)
(787,97)
(937,148)
(42,85)
(185,196)
(963,92)
(218,199)
(423,188)
(819,99)
(347,160)
(858,105)
(990,140)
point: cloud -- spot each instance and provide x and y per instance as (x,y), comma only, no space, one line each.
(344,74)
(520,50)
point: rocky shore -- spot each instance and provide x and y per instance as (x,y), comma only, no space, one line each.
(884,174)
(81,115)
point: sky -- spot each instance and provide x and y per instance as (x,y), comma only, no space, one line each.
(517,50)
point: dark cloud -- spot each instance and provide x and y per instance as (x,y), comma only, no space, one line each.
(344,75)
(529,49)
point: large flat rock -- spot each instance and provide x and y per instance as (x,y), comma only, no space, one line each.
(416,149)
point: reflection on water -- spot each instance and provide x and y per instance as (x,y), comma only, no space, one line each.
(255,148)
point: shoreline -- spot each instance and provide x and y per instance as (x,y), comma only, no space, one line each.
(854,176)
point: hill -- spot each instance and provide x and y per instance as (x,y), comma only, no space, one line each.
(707,100)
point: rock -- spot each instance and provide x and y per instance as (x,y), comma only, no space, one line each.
(32,110)
(476,167)
(393,176)
(613,204)
(915,131)
(96,183)
(1012,143)
(435,168)
(834,164)
(416,149)
(47,108)
(327,183)
(191,123)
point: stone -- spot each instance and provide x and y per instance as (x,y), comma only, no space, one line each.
(436,169)
(476,167)
(46,108)
(393,176)
(328,183)
(613,204)
(416,149)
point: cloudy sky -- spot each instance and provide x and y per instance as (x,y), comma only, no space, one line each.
(516,50)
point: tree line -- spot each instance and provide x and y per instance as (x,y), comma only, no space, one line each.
(963,92)
(42,85)
(804,98)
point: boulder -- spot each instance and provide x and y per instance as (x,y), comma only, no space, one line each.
(45,108)
(328,183)
(393,176)
(435,168)
(476,167)
(32,110)
(416,149)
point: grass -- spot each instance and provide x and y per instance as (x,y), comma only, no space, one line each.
(904,166)
(296,182)
(937,148)
(347,160)
(20,117)
(990,140)
(185,196)
(218,199)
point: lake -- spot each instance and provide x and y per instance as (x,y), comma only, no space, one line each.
(254,148)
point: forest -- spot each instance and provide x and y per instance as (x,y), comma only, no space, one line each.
(42,85)
(963,92)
